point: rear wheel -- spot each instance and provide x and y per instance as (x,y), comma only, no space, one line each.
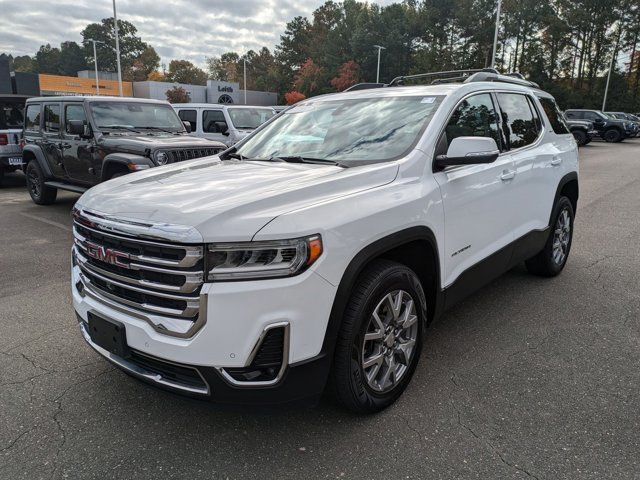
(580,136)
(40,193)
(613,135)
(553,257)
(380,340)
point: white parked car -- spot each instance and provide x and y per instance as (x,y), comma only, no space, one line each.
(224,123)
(320,248)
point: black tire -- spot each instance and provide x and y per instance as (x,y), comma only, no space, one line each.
(613,135)
(1,175)
(348,379)
(40,193)
(580,136)
(588,141)
(546,263)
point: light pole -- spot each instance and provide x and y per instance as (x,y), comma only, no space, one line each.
(115,29)
(613,56)
(95,62)
(495,35)
(379,47)
(245,79)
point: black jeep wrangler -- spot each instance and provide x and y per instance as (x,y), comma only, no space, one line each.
(73,143)
(583,131)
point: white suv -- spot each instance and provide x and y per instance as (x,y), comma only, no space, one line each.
(319,248)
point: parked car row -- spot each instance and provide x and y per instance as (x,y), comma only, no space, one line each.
(610,128)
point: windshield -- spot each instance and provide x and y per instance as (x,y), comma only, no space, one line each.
(135,115)
(348,131)
(11,115)
(249,118)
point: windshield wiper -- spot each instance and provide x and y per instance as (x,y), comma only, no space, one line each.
(237,156)
(119,127)
(300,159)
(160,129)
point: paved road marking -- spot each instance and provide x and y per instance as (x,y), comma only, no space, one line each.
(49,222)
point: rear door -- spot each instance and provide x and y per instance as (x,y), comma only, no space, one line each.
(76,151)
(51,139)
(523,131)
(478,199)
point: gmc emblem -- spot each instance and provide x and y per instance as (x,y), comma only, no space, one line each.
(106,255)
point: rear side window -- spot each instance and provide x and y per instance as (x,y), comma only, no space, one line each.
(518,120)
(189,116)
(554,115)
(32,120)
(475,116)
(10,115)
(73,112)
(52,118)
(209,119)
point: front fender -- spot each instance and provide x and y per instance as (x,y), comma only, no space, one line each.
(131,161)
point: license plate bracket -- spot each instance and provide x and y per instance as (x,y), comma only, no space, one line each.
(15,161)
(108,334)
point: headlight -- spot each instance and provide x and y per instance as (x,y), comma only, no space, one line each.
(161,158)
(268,259)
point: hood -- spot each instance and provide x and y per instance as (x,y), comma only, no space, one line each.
(156,141)
(230,200)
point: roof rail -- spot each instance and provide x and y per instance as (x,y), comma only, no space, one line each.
(514,78)
(364,86)
(458,73)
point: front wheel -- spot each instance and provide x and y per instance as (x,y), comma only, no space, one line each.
(40,193)
(580,136)
(613,135)
(553,257)
(380,340)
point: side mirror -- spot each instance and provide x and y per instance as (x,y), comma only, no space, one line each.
(187,126)
(77,127)
(222,128)
(469,151)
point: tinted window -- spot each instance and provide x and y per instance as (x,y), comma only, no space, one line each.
(135,115)
(474,117)
(11,115)
(593,116)
(190,116)
(33,118)
(518,121)
(554,115)
(73,112)
(52,118)
(209,119)
(573,115)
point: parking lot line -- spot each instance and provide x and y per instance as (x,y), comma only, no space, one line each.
(48,222)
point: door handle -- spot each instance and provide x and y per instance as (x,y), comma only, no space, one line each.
(507,175)
(555,161)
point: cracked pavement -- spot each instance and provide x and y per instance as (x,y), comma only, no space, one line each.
(528,378)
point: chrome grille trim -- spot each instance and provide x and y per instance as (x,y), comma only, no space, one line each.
(129,275)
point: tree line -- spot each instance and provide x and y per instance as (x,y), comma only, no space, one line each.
(567,46)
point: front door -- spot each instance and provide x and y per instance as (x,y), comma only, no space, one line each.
(51,140)
(477,198)
(211,122)
(77,151)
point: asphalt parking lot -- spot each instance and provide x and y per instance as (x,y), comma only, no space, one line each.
(528,378)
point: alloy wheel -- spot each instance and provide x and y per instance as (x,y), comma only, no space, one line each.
(389,341)
(34,182)
(561,237)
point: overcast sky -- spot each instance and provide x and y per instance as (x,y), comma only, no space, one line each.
(184,29)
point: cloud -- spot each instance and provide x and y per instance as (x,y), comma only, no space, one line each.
(184,29)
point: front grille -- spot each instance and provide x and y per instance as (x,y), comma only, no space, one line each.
(182,154)
(152,277)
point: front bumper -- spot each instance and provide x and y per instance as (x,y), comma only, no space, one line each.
(237,314)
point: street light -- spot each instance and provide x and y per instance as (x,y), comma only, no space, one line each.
(245,79)
(115,29)
(95,62)
(379,47)
(495,35)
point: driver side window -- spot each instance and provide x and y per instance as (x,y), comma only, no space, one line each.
(475,116)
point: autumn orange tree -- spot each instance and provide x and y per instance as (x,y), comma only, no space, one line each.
(348,75)
(293,97)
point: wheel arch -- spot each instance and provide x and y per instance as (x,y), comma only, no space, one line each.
(33,153)
(115,162)
(415,247)
(567,187)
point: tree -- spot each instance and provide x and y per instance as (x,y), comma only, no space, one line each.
(25,64)
(156,76)
(144,65)
(307,79)
(72,59)
(177,95)
(224,68)
(183,71)
(293,97)
(48,59)
(131,46)
(347,76)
